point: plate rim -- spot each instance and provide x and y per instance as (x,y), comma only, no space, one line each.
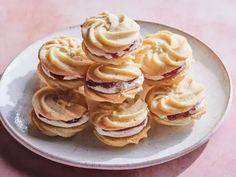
(128,165)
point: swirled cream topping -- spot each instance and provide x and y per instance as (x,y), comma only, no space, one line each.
(107,34)
(183,98)
(162,53)
(113,73)
(111,117)
(64,56)
(56,105)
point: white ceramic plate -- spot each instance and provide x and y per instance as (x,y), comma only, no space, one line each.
(164,143)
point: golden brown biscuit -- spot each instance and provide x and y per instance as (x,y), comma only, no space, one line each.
(145,90)
(164,58)
(56,112)
(62,61)
(178,105)
(108,37)
(127,122)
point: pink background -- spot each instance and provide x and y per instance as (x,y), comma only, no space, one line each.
(212,21)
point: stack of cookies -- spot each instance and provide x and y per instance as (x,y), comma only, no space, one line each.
(58,109)
(101,79)
(113,82)
(174,99)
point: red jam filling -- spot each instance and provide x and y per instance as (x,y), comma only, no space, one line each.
(56,76)
(115,55)
(184,114)
(174,72)
(107,85)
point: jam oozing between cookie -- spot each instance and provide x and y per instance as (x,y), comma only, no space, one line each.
(188,113)
(115,55)
(106,85)
(173,72)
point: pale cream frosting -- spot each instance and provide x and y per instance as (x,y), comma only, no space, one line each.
(59,81)
(63,55)
(83,119)
(161,53)
(170,101)
(110,33)
(47,72)
(121,87)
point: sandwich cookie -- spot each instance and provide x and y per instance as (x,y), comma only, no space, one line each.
(178,105)
(113,83)
(63,63)
(59,113)
(121,124)
(164,58)
(107,37)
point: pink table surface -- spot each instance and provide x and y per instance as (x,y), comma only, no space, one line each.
(213,22)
